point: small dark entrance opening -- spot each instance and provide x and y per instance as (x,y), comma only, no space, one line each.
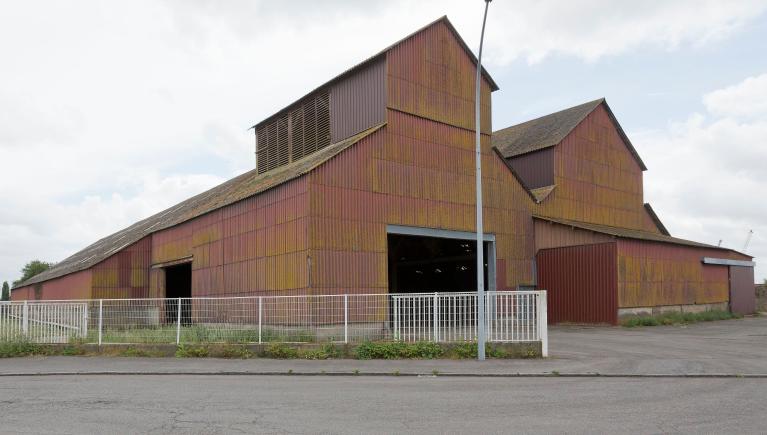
(419,264)
(178,284)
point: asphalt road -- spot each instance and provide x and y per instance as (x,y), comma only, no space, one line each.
(348,404)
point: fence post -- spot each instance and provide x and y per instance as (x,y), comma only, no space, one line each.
(543,323)
(396,334)
(435,316)
(25,318)
(101,318)
(346,318)
(260,316)
(178,323)
(84,331)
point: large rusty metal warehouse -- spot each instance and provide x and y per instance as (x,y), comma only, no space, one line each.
(366,185)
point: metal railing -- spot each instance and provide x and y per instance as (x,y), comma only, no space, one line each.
(510,316)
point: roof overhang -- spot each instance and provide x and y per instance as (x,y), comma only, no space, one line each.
(728,262)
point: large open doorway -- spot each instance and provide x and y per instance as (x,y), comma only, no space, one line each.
(178,284)
(431,262)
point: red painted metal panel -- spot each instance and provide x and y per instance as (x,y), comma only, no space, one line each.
(358,102)
(581,283)
(73,286)
(536,169)
(742,295)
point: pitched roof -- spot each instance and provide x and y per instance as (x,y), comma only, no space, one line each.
(628,233)
(373,58)
(239,188)
(656,220)
(548,131)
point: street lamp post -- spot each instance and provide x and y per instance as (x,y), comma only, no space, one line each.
(480,229)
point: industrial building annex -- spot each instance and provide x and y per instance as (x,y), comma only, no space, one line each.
(366,185)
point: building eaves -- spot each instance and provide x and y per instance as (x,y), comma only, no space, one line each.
(628,233)
(237,189)
(371,59)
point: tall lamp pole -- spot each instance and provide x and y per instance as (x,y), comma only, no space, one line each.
(480,229)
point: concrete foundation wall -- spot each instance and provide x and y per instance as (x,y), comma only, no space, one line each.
(653,311)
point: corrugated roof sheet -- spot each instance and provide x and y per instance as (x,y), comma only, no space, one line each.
(547,131)
(628,233)
(239,188)
(443,19)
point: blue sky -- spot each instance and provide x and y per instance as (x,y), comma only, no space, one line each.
(110,112)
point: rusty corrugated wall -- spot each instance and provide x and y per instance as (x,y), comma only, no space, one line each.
(255,246)
(551,235)
(430,75)
(125,274)
(742,294)
(536,169)
(358,102)
(581,283)
(598,179)
(653,274)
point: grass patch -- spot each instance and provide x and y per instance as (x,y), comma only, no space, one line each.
(11,349)
(185,351)
(198,334)
(677,318)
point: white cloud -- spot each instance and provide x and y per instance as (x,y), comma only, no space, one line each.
(111,111)
(747,99)
(707,174)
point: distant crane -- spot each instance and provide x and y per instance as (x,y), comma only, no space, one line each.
(748,239)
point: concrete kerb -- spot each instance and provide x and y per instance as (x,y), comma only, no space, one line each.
(392,374)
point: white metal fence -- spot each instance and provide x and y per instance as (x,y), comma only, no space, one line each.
(44,322)
(511,316)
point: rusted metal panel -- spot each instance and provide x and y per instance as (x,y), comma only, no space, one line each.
(415,172)
(358,102)
(742,294)
(125,274)
(598,178)
(431,75)
(536,169)
(581,283)
(656,274)
(255,246)
(550,235)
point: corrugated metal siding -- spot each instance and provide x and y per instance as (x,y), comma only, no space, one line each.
(581,283)
(598,179)
(742,294)
(655,274)
(255,246)
(358,102)
(549,235)
(430,75)
(73,286)
(536,169)
(124,274)
(414,172)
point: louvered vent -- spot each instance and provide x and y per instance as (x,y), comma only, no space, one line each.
(299,131)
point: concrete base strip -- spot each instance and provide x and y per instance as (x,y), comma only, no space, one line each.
(395,374)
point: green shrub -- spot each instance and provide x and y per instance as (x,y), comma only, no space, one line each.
(280,351)
(398,350)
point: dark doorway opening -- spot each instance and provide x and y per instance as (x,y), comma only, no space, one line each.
(178,284)
(419,264)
